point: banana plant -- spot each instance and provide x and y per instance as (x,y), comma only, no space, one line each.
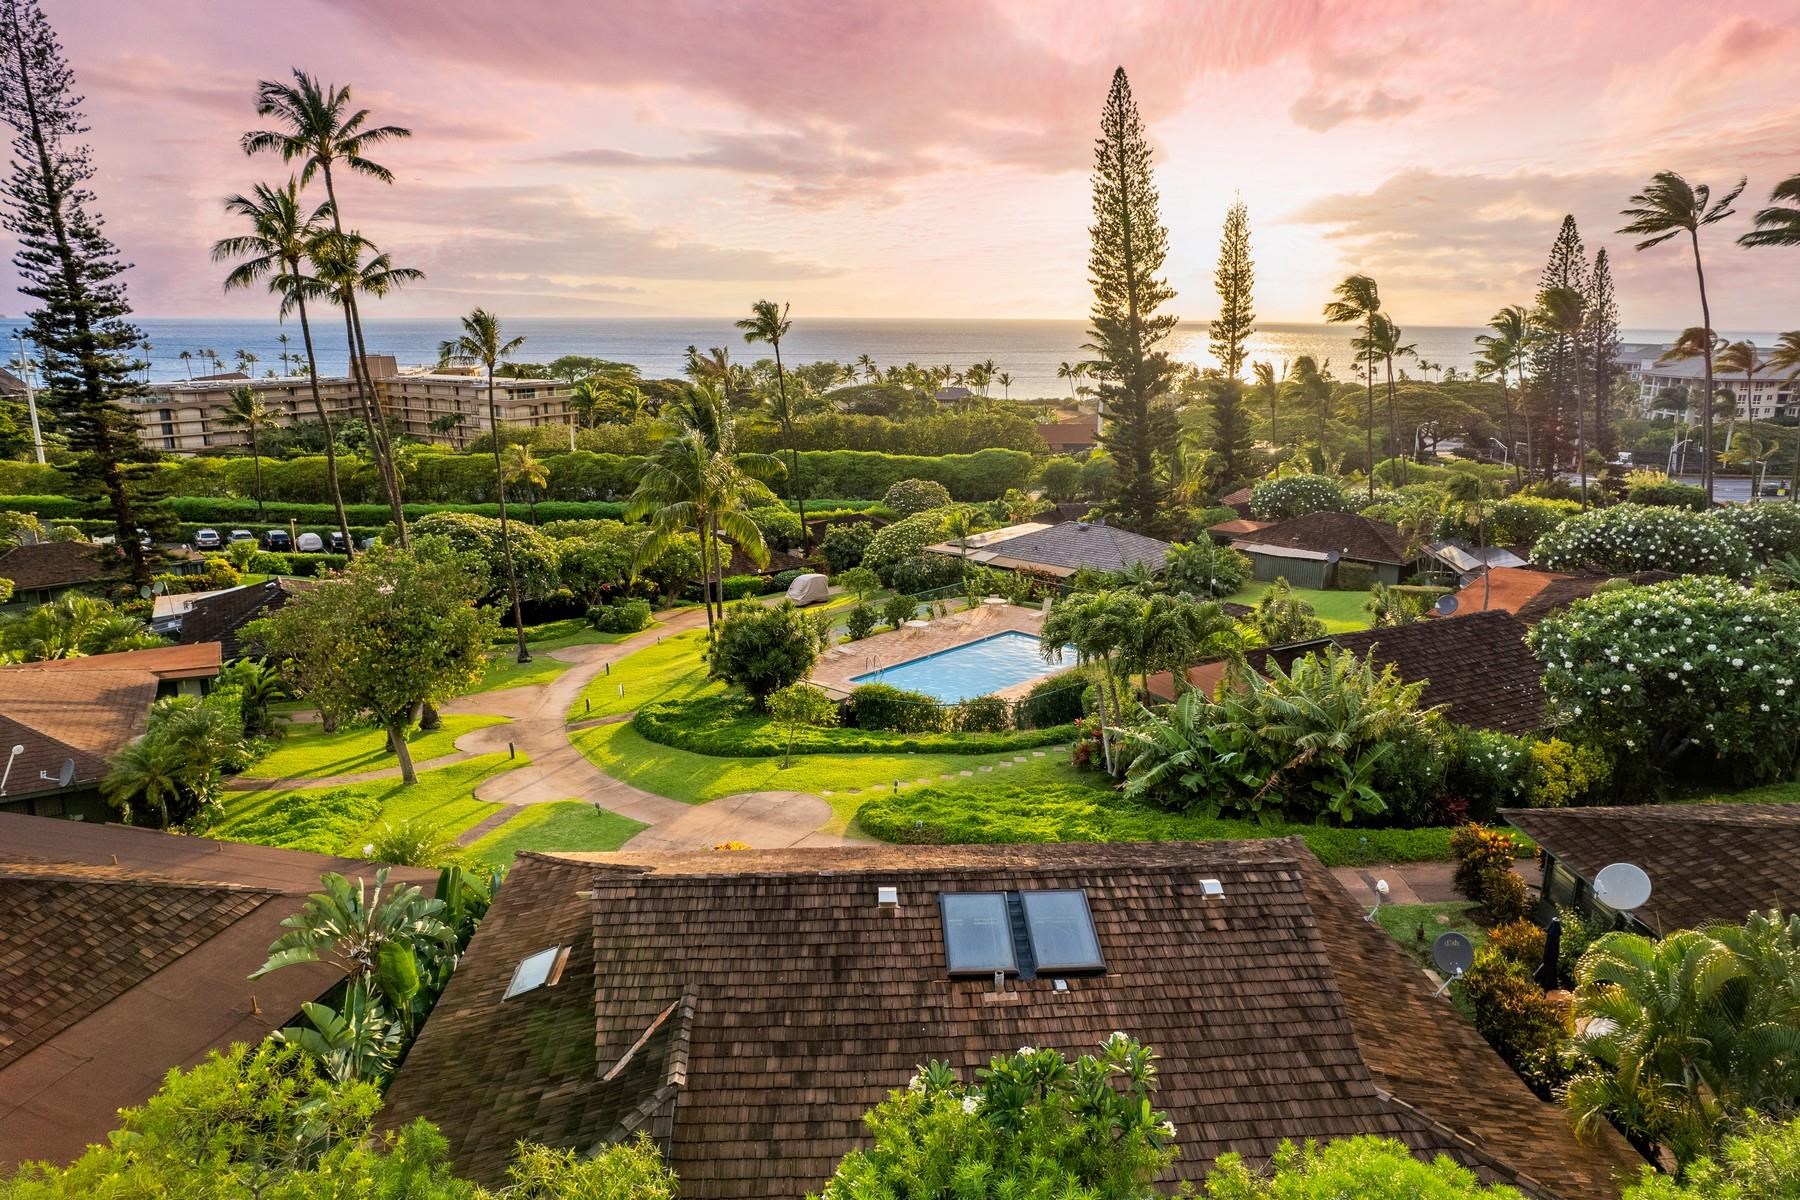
(361,1040)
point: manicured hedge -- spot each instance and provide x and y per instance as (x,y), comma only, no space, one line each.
(728,726)
(996,812)
(984,475)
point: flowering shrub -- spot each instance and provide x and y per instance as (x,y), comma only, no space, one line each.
(1034,1124)
(1479,854)
(1512,1012)
(1295,496)
(1696,668)
(1638,537)
(1773,530)
(1518,941)
(1488,770)
(1514,521)
(1564,774)
(909,496)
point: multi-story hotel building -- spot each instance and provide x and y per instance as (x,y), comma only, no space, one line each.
(1763,397)
(184,417)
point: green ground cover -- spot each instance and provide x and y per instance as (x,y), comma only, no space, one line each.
(1774,793)
(671,669)
(1040,802)
(306,751)
(625,754)
(339,820)
(728,724)
(504,670)
(1342,612)
(1416,926)
(563,825)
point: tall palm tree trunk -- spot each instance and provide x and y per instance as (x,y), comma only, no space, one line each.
(331,467)
(700,528)
(1512,453)
(1370,427)
(256,465)
(787,428)
(1706,413)
(365,395)
(512,575)
(1398,459)
(379,430)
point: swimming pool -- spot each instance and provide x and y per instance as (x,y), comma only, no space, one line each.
(973,669)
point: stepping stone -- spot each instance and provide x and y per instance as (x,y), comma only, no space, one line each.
(1018,758)
(966,774)
(988,768)
(946,778)
(926,780)
(826,792)
(1037,754)
(1002,765)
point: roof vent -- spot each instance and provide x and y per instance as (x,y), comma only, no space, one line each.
(1211,887)
(1081,524)
(542,969)
(887,897)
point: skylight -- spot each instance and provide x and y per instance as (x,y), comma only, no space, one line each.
(1061,931)
(536,971)
(977,933)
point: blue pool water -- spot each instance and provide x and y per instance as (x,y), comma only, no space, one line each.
(976,669)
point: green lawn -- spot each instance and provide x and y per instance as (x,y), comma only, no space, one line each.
(1773,793)
(1416,926)
(306,751)
(1342,612)
(668,670)
(506,671)
(695,778)
(1048,801)
(564,825)
(339,820)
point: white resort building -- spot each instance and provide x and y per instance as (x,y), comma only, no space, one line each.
(447,406)
(1764,397)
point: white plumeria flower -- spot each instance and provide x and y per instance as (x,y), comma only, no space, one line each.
(970,1104)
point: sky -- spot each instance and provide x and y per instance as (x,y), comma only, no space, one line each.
(930,158)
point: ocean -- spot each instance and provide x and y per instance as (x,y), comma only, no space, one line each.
(1027,350)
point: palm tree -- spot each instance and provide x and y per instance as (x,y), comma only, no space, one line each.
(870,371)
(1737,358)
(246,411)
(246,362)
(1004,379)
(769,323)
(481,342)
(1270,388)
(150,771)
(696,479)
(1669,206)
(349,266)
(1074,373)
(524,469)
(1384,345)
(1358,300)
(1786,357)
(1779,224)
(278,242)
(187,360)
(1501,351)
(284,356)
(1468,491)
(1562,312)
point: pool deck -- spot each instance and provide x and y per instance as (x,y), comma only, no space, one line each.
(839,665)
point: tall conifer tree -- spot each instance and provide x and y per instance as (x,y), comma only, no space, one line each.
(72,269)
(1602,349)
(1234,278)
(1557,361)
(1129,246)
(1230,429)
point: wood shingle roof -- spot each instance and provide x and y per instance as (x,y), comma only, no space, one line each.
(748,1008)
(1706,862)
(1355,537)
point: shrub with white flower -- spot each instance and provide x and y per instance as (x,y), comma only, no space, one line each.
(1297,495)
(1034,1124)
(1639,537)
(1691,671)
(1773,530)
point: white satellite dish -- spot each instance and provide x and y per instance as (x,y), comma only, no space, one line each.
(1445,605)
(1331,556)
(1622,887)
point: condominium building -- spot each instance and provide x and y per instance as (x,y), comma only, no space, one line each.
(447,406)
(1759,398)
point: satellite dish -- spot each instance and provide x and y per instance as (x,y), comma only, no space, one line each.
(1331,556)
(159,587)
(145,591)
(1622,887)
(67,775)
(1453,953)
(1445,605)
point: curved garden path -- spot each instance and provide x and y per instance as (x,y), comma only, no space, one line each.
(557,770)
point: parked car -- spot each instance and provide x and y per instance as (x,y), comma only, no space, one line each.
(207,539)
(241,535)
(311,543)
(336,541)
(277,541)
(1770,487)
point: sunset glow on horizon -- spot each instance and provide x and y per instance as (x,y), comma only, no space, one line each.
(931,159)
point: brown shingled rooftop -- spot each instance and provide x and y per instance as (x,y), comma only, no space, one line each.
(124,952)
(747,1008)
(1355,537)
(59,564)
(1706,862)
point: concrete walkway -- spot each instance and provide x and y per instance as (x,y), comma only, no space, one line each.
(559,771)
(1419,883)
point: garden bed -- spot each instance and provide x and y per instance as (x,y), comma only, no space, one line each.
(728,725)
